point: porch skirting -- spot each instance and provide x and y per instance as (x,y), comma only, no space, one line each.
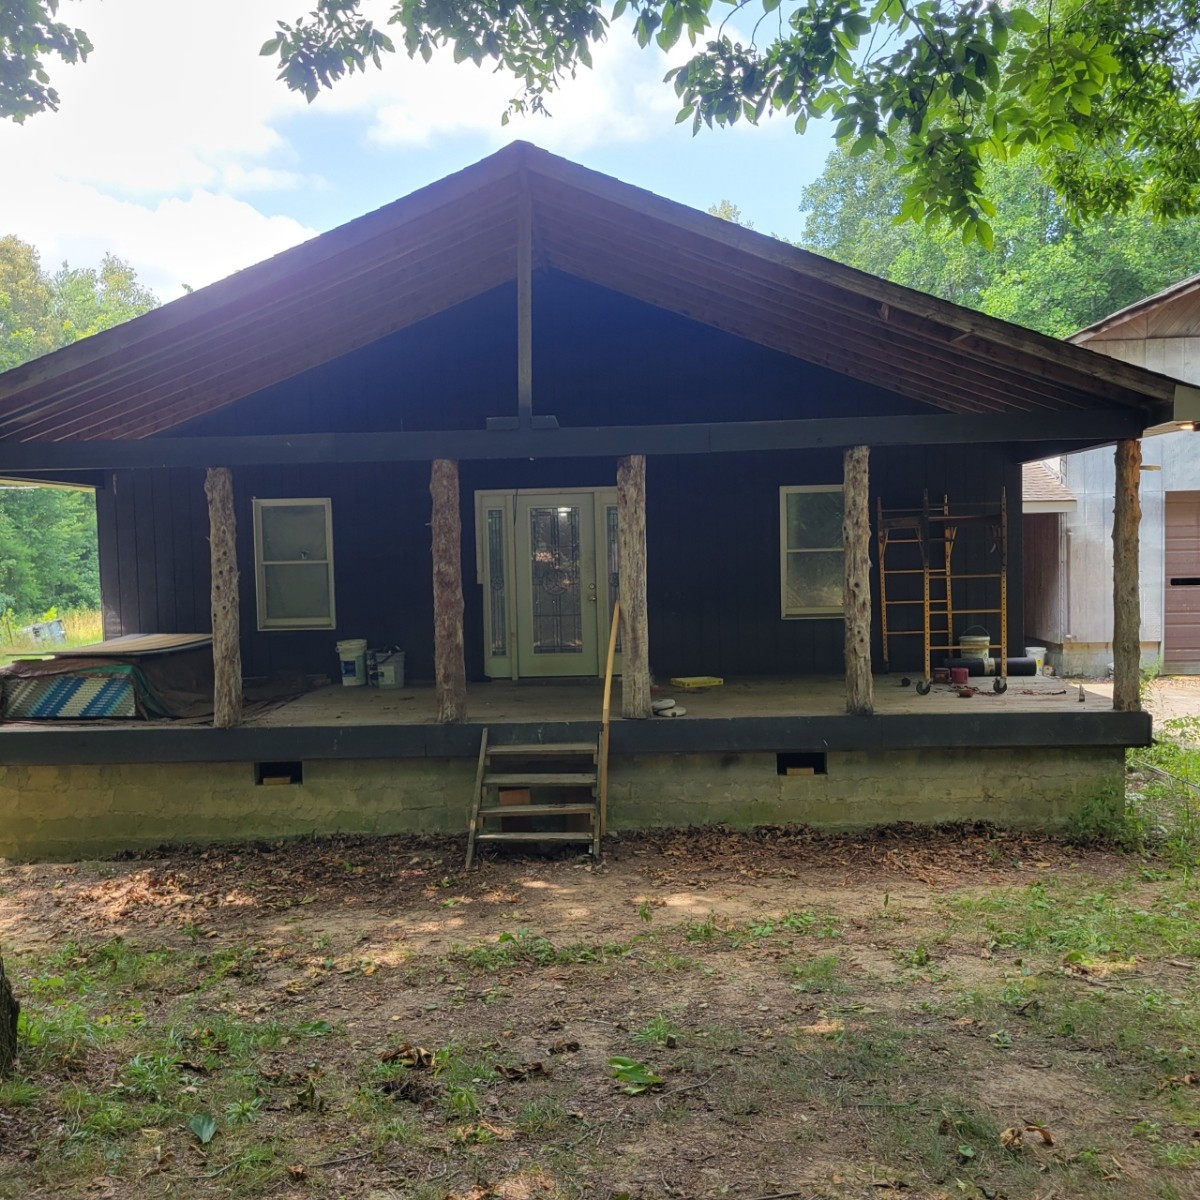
(83,810)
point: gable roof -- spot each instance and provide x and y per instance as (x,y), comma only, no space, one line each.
(1173,312)
(458,238)
(1042,491)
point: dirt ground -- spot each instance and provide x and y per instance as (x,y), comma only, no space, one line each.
(707,1013)
(820,1017)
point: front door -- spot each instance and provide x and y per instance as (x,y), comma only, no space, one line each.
(548,565)
(556,585)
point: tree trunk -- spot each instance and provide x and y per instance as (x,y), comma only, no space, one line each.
(856,591)
(449,656)
(9,1010)
(631,549)
(1127,612)
(227,645)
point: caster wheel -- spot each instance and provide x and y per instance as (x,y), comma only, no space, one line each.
(923,686)
(999,686)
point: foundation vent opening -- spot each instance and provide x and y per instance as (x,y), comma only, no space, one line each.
(267,774)
(799,763)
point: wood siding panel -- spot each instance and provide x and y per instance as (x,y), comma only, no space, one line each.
(712,536)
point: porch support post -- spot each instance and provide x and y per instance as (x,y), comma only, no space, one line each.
(449,660)
(631,547)
(856,586)
(1127,616)
(227,646)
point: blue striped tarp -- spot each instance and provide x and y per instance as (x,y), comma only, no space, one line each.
(70,697)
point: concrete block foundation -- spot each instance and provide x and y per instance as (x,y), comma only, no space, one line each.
(83,810)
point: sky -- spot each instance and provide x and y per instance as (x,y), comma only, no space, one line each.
(175,148)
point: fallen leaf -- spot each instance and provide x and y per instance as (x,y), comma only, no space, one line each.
(1043,1131)
(416,1057)
(204,1126)
(524,1071)
(1010,1138)
(564,1048)
(298,1171)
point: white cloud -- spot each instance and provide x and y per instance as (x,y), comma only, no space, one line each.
(159,134)
(171,148)
(412,103)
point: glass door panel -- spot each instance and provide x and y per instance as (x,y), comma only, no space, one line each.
(556,585)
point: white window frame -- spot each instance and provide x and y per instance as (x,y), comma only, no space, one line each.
(784,550)
(266,623)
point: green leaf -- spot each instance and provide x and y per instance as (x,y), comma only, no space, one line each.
(636,1076)
(204,1126)
(1023,21)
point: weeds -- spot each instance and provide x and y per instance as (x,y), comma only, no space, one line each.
(658,1031)
(522,947)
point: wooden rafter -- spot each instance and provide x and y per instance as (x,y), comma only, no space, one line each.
(495,222)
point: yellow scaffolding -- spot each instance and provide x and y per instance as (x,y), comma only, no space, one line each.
(920,543)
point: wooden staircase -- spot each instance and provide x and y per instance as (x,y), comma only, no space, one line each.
(546,772)
(542,767)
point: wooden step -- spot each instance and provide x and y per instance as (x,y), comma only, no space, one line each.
(549,779)
(558,836)
(544,750)
(536,810)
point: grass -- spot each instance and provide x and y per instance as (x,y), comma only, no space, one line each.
(82,626)
(829,1050)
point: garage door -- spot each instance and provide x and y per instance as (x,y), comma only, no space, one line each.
(1181,632)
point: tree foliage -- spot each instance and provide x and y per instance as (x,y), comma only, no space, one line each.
(1044,271)
(48,535)
(47,549)
(1102,93)
(30,34)
(40,312)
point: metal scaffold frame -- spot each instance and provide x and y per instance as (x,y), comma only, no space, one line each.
(933,530)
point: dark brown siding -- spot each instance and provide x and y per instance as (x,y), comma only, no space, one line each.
(713,538)
(713,521)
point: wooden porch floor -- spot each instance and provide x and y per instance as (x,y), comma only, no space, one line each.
(504,702)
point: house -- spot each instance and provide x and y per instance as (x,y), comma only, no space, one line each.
(1068,550)
(467,422)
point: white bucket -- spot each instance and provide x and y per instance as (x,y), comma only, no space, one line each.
(353,654)
(970,646)
(386,668)
(1038,654)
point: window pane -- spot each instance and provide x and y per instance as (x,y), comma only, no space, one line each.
(496,600)
(814,520)
(293,532)
(557,601)
(814,580)
(297,590)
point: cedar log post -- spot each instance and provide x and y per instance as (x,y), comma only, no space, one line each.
(631,550)
(1127,613)
(9,1011)
(856,587)
(227,645)
(449,656)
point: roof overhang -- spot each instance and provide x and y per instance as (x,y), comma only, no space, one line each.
(461,237)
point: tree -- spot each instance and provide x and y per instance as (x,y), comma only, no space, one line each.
(1044,270)
(87,300)
(40,312)
(28,34)
(25,298)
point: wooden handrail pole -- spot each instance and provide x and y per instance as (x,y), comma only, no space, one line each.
(604,714)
